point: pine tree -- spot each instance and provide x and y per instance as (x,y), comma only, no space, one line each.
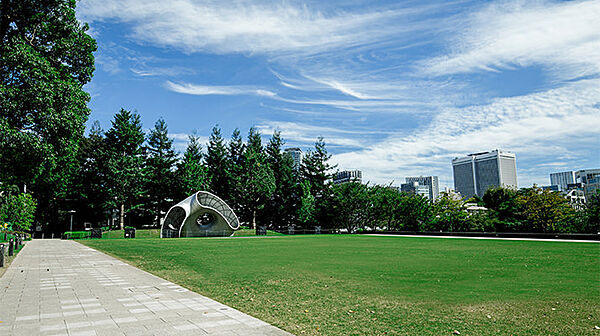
(236,171)
(88,188)
(191,173)
(258,180)
(317,171)
(282,207)
(124,161)
(160,162)
(217,165)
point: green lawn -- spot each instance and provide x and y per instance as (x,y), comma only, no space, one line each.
(361,285)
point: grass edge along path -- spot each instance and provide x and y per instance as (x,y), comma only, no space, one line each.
(357,285)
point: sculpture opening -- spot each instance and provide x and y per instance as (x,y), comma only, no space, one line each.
(200,215)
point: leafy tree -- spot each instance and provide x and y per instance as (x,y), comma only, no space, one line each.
(17,208)
(591,218)
(124,158)
(46,58)
(385,201)
(160,175)
(283,205)
(192,175)
(505,207)
(306,211)
(258,180)
(450,214)
(217,165)
(352,202)
(546,211)
(317,171)
(414,212)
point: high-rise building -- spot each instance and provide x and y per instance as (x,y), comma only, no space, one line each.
(296,154)
(431,181)
(562,179)
(416,188)
(476,173)
(590,179)
(347,176)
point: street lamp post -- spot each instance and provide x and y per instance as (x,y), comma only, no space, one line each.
(71,226)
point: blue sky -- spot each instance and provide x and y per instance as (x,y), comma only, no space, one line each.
(396,88)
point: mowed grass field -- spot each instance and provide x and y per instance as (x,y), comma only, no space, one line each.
(369,285)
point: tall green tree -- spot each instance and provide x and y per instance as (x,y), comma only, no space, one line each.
(318,172)
(236,161)
(258,180)
(160,175)
(46,58)
(88,188)
(124,158)
(306,211)
(351,205)
(217,165)
(282,207)
(192,175)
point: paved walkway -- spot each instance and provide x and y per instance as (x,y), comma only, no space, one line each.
(58,287)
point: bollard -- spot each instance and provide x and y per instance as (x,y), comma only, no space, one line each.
(11,247)
(1,255)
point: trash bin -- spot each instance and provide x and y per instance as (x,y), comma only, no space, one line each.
(96,233)
(129,233)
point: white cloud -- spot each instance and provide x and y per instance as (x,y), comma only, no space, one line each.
(203,90)
(538,127)
(307,134)
(564,35)
(253,27)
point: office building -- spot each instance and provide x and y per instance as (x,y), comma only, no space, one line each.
(562,179)
(416,188)
(431,181)
(589,179)
(296,154)
(476,173)
(347,176)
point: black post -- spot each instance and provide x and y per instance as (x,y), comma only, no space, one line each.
(1,255)
(11,247)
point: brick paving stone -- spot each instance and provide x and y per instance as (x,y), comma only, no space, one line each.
(60,287)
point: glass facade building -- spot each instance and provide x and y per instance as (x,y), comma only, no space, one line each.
(476,173)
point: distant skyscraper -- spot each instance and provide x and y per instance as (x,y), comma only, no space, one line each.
(430,181)
(562,179)
(296,154)
(476,173)
(590,179)
(347,176)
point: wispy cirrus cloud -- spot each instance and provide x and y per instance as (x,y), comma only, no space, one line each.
(539,127)
(204,90)
(250,26)
(503,35)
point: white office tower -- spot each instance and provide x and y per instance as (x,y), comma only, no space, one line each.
(562,179)
(476,173)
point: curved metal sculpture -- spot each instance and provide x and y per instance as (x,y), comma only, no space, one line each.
(200,215)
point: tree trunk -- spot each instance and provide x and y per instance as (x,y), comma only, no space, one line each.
(254,219)
(122,216)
